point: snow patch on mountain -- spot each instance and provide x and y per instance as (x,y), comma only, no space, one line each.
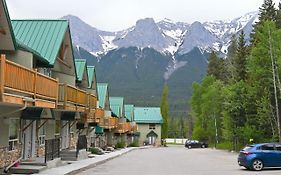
(166,36)
(172,67)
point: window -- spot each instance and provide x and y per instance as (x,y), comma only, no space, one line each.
(42,134)
(151,126)
(278,147)
(45,71)
(13,134)
(267,147)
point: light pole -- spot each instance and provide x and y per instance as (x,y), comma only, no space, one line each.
(216,128)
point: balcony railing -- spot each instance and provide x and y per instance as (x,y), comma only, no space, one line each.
(92,102)
(72,98)
(109,123)
(17,82)
(123,127)
(134,127)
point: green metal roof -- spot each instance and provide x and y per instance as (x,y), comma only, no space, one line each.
(43,36)
(117,101)
(9,23)
(115,110)
(102,91)
(39,58)
(80,65)
(148,115)
(129,112)
(91,75)
(99,130)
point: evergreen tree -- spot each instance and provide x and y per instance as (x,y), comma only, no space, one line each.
(278,17)
(164,112)
(267,13)
(216,67)
(229,61)
(240,59)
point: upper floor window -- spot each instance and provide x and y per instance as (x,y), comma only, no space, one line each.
(45,71)
(151,126)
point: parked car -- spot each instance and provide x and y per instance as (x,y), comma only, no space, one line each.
(258,156)
(195,144)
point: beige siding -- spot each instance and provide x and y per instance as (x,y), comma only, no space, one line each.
(22,58)
(144,130)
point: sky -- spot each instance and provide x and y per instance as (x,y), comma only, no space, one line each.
(115,15)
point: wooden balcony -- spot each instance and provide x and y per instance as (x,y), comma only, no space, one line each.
(92,102)
(99,114)
(109,123)
(19,85)
(90,114)
(89,117)
(72,98)
(123,127)
(134,127)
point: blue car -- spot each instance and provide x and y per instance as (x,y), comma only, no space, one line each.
(257,156)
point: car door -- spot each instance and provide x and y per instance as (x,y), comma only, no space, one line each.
(278,152)
(197,144)
(269,155)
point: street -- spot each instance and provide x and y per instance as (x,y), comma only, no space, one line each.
(175,160)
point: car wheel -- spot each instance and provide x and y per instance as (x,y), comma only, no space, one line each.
(203,146)
(189,147)
(257,165)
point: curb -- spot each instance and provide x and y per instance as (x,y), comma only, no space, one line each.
(99,163)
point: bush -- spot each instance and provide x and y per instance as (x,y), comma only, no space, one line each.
(134,144)
(121,144)
(94,150)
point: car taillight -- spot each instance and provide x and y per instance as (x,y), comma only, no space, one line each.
(247,153)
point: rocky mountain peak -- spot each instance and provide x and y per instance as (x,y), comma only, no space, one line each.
(164,36)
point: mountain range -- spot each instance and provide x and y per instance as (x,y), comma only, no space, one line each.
(164,36)
(138,61)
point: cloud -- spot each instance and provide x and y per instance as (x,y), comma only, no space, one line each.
(119,14)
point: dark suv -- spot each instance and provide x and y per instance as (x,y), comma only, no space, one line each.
(195,144)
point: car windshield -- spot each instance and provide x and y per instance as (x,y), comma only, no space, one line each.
(247,148)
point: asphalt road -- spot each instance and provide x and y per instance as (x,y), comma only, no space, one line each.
(175,160)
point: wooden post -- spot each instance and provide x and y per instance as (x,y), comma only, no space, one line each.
(2,76)
(65,95)
(57,93)
(76,99)
(35,83)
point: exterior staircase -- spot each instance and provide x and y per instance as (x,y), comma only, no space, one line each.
(68,155)
(27,169)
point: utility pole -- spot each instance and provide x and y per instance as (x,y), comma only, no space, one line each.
(216,130)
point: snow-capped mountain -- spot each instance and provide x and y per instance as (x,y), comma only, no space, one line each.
(165,36)
(223,30)
(145,33)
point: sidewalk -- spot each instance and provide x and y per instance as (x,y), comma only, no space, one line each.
(78,166)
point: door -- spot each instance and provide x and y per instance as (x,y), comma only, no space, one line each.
(65,135)
(151,140)
(269,155)
(278,152)
(29,139)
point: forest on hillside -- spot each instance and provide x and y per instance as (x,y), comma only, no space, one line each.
(240,97)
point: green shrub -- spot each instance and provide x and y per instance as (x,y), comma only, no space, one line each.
(94,150)
(120,144)
(134,144)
